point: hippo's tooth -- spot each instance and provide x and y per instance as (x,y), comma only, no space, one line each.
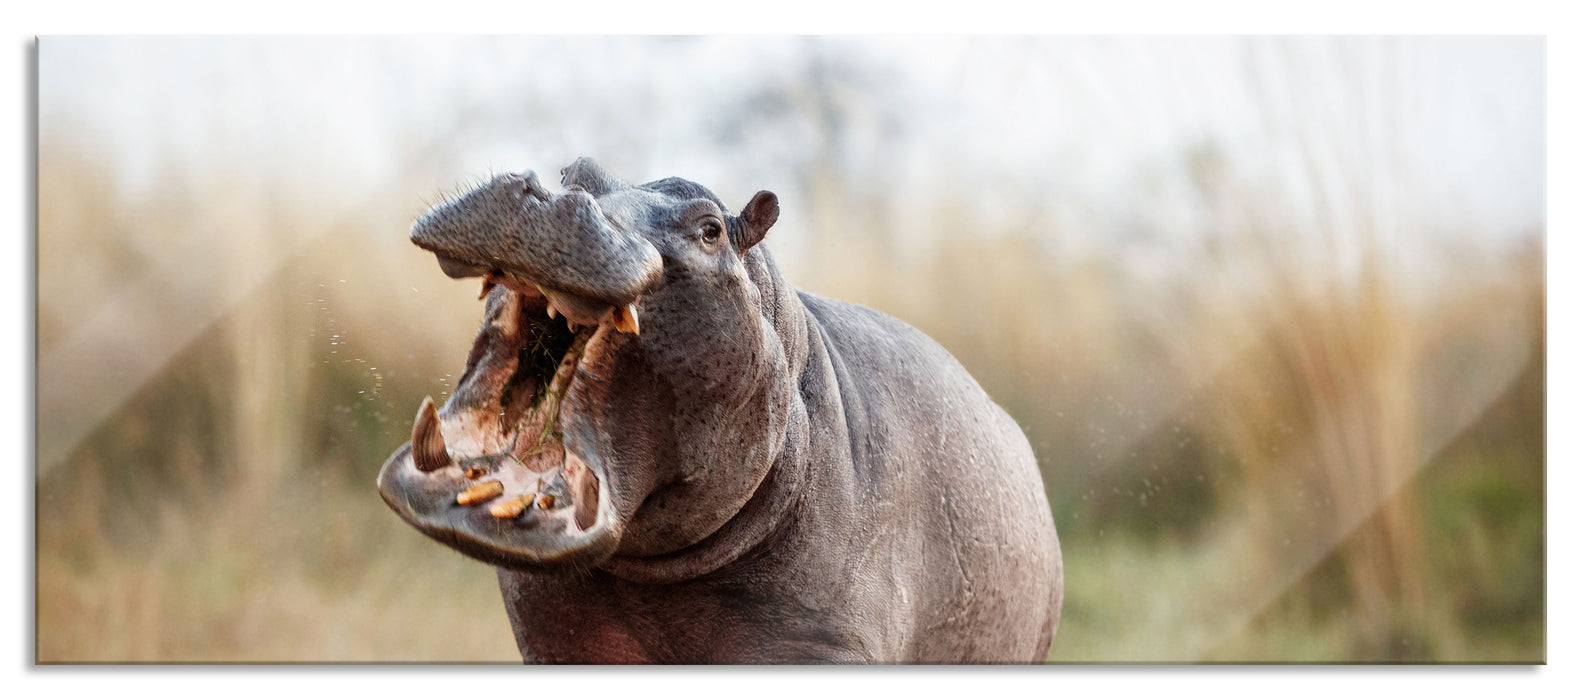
(478,493)
(509,508)
(488,284)
(549,306)
(428,445)
(626,319)
(584,488)
(507,319)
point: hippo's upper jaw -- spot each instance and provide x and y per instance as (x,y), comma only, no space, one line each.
(496,474)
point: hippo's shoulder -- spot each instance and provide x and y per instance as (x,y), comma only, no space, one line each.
(876,346)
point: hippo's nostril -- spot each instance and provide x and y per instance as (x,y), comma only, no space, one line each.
(532,187)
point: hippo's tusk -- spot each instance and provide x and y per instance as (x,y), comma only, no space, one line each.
(584,490)
(626,319)
(428,445)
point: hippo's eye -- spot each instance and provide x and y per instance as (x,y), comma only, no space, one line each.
(711,231)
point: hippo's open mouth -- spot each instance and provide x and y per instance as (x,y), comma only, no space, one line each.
(506,471)
(493,474)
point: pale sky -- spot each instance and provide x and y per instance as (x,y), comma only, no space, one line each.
(1455,125)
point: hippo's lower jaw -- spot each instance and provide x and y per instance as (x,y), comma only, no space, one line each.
(491,475)
(523,529)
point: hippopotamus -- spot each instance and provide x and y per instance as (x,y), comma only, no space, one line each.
(671,455)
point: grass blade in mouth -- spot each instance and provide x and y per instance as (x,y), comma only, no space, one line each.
(545,365)
(536,362)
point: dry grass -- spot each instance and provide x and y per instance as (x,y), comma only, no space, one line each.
(1253,455)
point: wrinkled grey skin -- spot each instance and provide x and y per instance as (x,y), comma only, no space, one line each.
(780,477)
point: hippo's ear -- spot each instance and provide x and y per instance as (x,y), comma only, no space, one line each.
(757,217)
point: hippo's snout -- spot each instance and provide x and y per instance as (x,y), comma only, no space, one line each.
(512,230)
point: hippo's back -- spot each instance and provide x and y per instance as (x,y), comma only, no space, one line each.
(957,495)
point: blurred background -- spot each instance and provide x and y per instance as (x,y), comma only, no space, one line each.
(1271,311)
